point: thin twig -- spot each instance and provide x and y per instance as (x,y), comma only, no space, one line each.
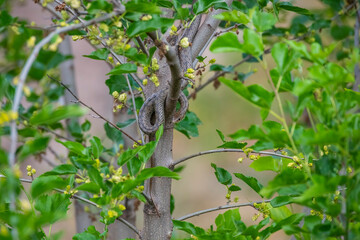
(134,108)
(226,150)
(105,45)
(94,111)
(132,227)
(26,69)
(221,73)
(249,204)
(142,46)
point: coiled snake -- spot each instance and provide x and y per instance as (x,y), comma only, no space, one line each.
(152,112)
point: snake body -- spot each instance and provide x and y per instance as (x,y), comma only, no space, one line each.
(152,112)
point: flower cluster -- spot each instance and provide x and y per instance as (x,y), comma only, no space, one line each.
(119,100)
(7,116)
(30,171)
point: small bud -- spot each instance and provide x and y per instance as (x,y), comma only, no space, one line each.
(28,168)
(174,28)
(184,43)
(123,97)
(240,160)
(145,81)
(212,61)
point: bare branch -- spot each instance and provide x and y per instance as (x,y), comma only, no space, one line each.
(205,31)
(94,111)
(142,46)
(226,150)
(134,108)
(132,227)
(249,204)
(26,69)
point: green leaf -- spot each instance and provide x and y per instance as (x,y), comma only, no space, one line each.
(47,115)
(143,7)
(250,181)
(252,43)
(89,187)
(287,6)
(128,155)
(221,135)
(223,176)
(33,146)
(263,21)
(113,134)
(74,147)
(282,57)
(123,68)
(99,54)
(279,213)
(322,185)
(44,184)
(234,188)
(98,5)
(202,6)
(253,93)
(229,221)
(142,176)
(155,23)
(287,178)
(227,42)
(189,125)
(233,16)
(341,32)
(52,207)
(89,234)
(95,176)
(281,201)
(86,126)
(96,147)
(267,163)
(188,227)
(133,54)
(117,83)
(134,166)
(233,144)
(157,172)
(63,169)
(218,67)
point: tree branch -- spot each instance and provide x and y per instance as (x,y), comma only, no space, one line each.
(249,204)
(86,201)
(226,150)
(27,67)
(205,31)
(94,111)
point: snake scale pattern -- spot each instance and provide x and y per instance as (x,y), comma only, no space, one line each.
(152,112)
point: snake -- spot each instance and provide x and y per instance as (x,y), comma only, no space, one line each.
(152,112)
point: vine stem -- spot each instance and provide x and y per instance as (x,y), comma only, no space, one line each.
(132,227)
(198,213)
(277,95)
(225,150)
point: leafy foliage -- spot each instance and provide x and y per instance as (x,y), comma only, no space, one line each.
(309,105)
